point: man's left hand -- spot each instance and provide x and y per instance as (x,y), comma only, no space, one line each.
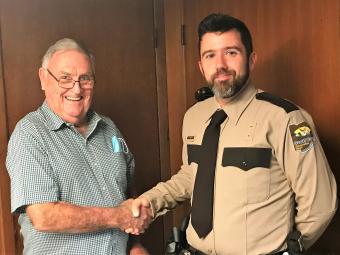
(138,249)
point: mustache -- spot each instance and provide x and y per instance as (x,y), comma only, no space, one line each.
(223,71)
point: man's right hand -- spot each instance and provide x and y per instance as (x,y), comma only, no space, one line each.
(136,216)
(141,210)
(63,217)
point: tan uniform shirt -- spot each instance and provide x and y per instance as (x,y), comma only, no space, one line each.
(268,159)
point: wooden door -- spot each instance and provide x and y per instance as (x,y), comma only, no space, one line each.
(297,42)
(121,35)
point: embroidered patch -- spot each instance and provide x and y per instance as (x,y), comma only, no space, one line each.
(302,136)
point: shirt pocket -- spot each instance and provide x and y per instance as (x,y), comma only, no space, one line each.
(255,162)
(193,159)
(194,153)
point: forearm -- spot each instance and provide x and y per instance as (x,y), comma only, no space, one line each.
(167,195)
(316,205)
(69,218)
(313,228)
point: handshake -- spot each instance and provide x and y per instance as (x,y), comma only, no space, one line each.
(135,215)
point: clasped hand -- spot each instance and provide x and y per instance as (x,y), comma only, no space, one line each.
(136,215)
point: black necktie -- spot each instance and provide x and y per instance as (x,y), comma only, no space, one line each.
(203,194)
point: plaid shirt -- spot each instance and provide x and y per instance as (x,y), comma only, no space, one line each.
(48,160)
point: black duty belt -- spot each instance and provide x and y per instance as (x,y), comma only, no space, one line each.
(201,253)
(280,253)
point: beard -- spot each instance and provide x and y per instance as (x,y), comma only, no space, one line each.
(229,88)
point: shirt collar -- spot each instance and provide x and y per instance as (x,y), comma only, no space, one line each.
(239,103)
(54,122)
(236,106)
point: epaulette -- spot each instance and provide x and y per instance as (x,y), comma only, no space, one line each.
(286,105)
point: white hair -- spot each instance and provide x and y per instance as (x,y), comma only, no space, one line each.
(65,45)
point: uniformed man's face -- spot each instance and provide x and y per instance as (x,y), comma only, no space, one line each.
(224,62)
(69,104)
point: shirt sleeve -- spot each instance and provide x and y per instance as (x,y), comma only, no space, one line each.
(309,175)
(130,170)
(167,195)
(31,176)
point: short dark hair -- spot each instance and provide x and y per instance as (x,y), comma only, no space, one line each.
(217,22)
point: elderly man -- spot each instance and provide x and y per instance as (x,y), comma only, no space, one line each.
(253,165)
(70,167)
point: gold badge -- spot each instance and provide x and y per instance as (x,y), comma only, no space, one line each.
(302,136)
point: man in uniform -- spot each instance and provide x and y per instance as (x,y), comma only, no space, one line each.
(268,177)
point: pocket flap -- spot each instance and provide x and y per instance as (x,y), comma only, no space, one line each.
(246,158)
(194,153)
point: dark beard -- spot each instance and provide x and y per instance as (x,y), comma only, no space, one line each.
(230,88)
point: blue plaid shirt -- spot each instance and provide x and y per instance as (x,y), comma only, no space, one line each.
(48,160)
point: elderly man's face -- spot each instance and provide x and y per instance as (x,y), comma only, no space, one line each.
(70,104)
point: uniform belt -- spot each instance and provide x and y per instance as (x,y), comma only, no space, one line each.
(201,253)
(279,253)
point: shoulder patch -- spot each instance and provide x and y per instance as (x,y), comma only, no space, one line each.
(302,137)
(286,105)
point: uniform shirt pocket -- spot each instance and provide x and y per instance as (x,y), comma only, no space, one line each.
(194,153)
(255,162)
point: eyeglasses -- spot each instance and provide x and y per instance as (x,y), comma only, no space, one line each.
(67,82)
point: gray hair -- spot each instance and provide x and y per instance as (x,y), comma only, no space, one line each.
(65,45)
